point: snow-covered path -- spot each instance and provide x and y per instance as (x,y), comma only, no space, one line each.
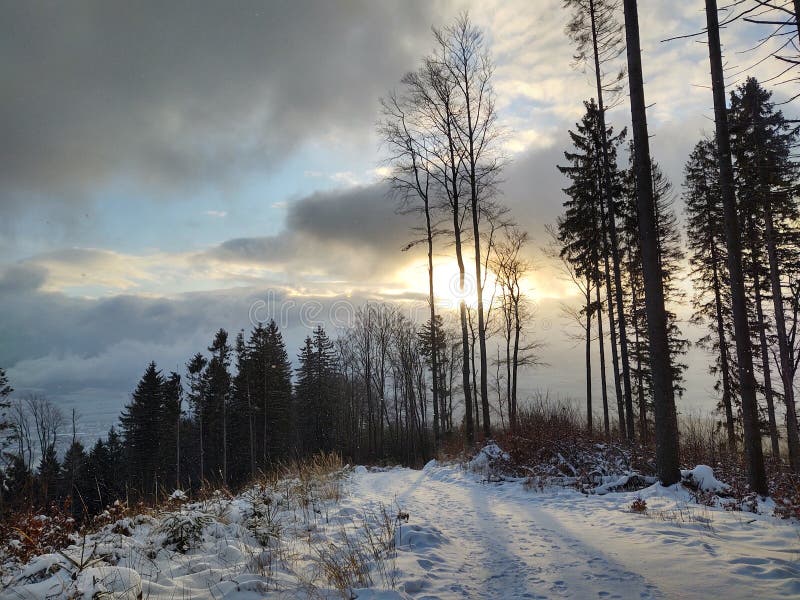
(466,539)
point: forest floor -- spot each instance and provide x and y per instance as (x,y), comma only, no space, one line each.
(446,531)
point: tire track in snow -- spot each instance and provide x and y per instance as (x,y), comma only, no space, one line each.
(487,546)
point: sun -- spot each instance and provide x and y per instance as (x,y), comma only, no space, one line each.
(447,288)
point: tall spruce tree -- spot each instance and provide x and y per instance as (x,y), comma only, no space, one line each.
(315,393)
(74,482)
(170,427)
(581,230)
(705,229)
(141,429)
(217,378)
(597,33)
(197,394)
(5,425)
(744,353)
(48,476)
(762,142)
(666,418)
(243,415)
(670,259)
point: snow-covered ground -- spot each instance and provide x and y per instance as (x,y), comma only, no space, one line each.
(456,537)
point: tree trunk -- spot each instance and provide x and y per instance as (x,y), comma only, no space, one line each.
(601,346)
(468,423)
(225,439)
(612,230)
(202,453)
(783,342)
(487,428)
(433,340)
(474,372)
(727,396)
(511,415)
(612,329)
(666,420)
(752,435)
(517,330)
(762,341)
(177,448)
(589,413)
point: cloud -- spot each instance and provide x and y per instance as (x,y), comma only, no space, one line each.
(189,93)
(352,235)
(22,278)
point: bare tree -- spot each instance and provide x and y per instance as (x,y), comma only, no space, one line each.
(468,65)
(48,421)
(511,267)
(411,179)
(582,316)
(434,93)
(21,427)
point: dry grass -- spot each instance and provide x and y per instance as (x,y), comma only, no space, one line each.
(359,552)
(552,446)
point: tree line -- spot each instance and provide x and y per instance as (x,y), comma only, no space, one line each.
(239,409)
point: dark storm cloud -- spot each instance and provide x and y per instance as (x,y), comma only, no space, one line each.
(182,92)
(22,278)
(354,234)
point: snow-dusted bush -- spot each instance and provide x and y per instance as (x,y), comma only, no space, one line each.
(182,531)
(262,516)
(28,534)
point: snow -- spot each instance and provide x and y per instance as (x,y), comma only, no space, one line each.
(454,536)
(486,458)
(178,495)
(702,476)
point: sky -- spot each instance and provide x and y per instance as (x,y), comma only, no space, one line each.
(167,169)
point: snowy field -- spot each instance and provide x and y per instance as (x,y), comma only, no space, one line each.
(442,532)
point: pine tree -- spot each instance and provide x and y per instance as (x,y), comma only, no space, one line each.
(170,440)
(766,178)
(18,489)
(708,259)
(670,259)
(744,354)
(278,394)
(666,418)
(582,228)
(73,479)
(5,391)
(316,393)
(5,425)
(242,425)
(48,476)
(217,380)
(197,399)
(433,342)
(102,488)
(141,428)
(597,33)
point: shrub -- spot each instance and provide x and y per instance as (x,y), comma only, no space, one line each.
(28,534)
(639,505)
(182,531)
